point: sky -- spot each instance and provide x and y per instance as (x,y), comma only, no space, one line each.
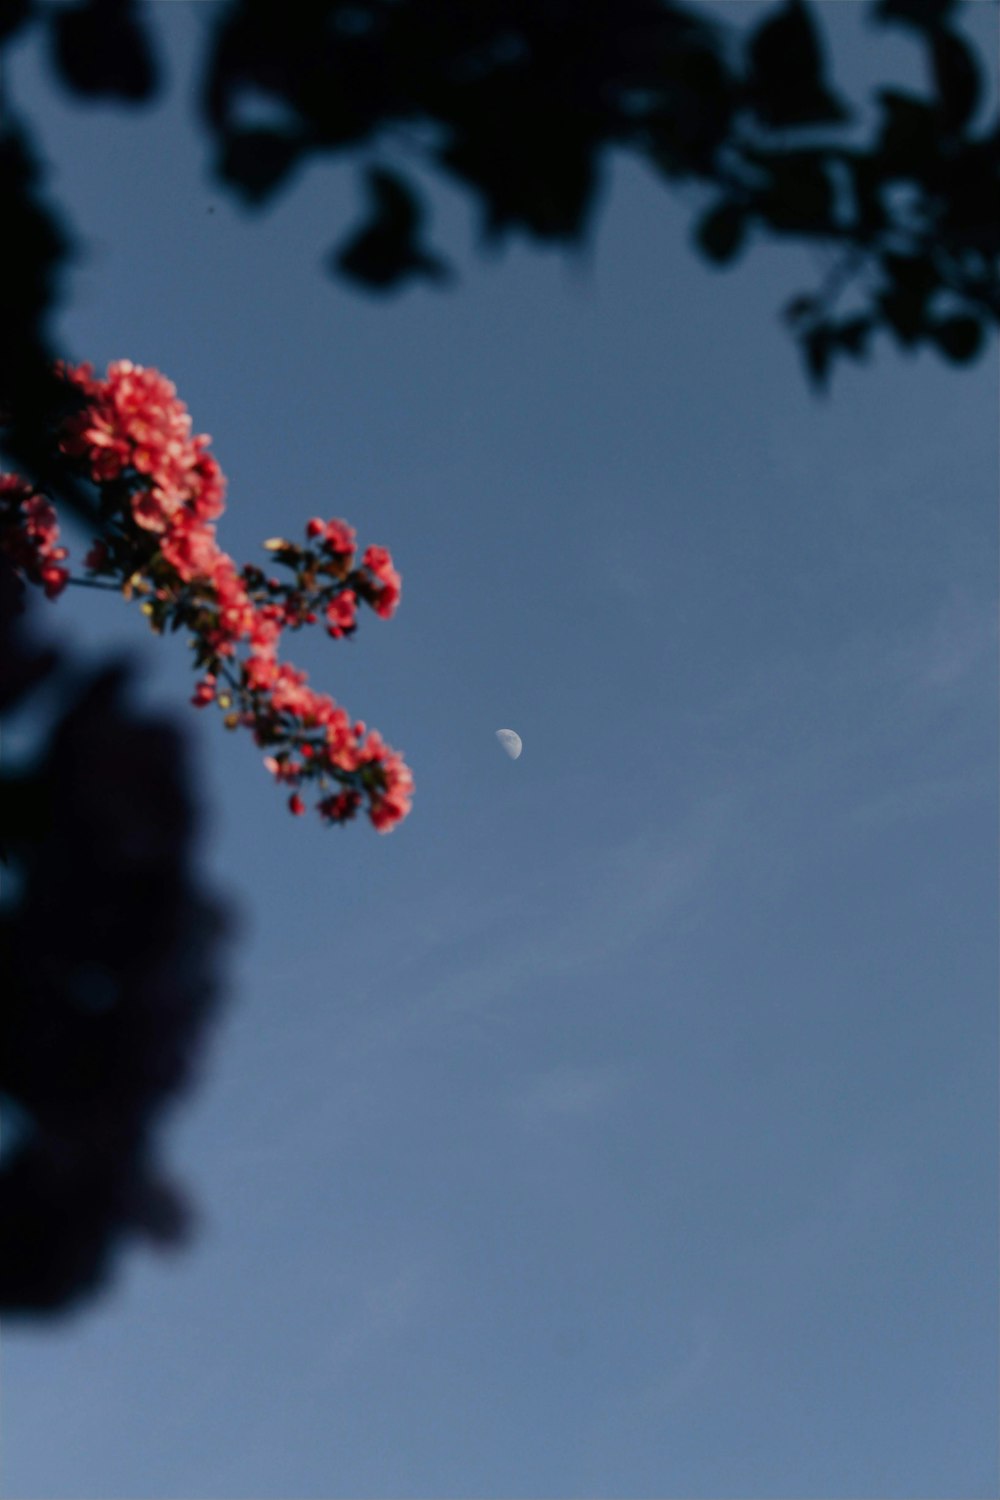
(625,1122)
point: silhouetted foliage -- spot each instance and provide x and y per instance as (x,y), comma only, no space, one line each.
(521,103)
(108,951)
(385,250)
(102,50)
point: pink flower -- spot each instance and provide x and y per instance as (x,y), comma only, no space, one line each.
(387,589)
(53,580)
(154,509)
(29,535)
(339,808)
(393,802)
(208,499)
(96,557)
(14,490)
(160,542)
(341,613)
(265,629)
(191,549)
(340,537)
(134,420)
(259,672)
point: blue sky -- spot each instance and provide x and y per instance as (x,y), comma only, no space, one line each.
(626,1122)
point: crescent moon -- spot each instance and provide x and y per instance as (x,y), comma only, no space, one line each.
(510,741)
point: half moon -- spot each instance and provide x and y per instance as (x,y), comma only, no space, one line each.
(510,741)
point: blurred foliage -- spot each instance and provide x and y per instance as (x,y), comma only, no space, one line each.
(520,102)
(109,952)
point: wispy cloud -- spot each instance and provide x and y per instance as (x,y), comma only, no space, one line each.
(569,1092)
(572,917)
(956,641)
(923,798)
(383,1305)
(697,1359)
(691,1371)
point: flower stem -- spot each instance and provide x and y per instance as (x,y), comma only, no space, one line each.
(94,583)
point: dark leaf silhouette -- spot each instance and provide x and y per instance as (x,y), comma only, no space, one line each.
(38,249)
(386,249)
(818,345)
(905,300)
(722,232)
(956,75)
(108,956)
(102,49)
(854,334)
(923,15)
(523,103)
(909,139)
(959,338)
(257,162)
(13,14)
(798,194)
(787,84)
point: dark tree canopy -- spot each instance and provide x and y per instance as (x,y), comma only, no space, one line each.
(521,102)
(109,954)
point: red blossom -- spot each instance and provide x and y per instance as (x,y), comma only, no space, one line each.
(388,583)
(191,549)
(340,537)
(29,535)
(341,613)
(159,542)
(339,809)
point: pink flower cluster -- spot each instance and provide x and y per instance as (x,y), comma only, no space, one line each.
(29,535)
(160,493)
